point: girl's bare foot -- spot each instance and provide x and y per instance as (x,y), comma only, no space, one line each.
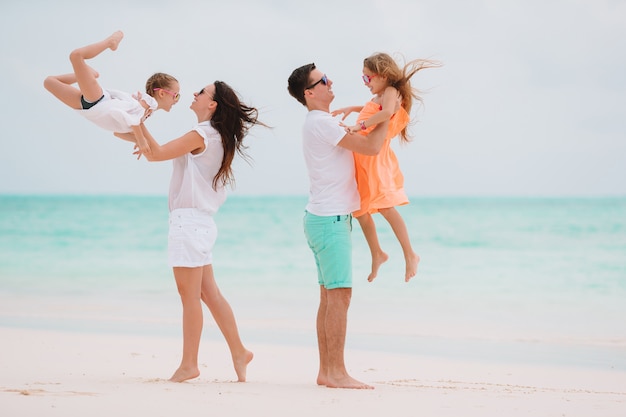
(115,39)
(411,266)
(377,261)
(183,374)
(241,365)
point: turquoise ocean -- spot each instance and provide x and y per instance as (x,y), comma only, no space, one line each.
(530,280)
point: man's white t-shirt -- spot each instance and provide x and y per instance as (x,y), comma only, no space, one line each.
(332,182)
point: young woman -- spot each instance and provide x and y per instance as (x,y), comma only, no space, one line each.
(202,161)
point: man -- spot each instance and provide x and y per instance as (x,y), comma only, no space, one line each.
(333,196)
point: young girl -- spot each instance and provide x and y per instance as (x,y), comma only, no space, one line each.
(379,179)
(202,169)
(110,109)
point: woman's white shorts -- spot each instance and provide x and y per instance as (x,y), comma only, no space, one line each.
(191,238)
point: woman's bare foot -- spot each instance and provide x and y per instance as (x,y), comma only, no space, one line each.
(115,39)
(241,365)
(377,261)
(183,374)
(411,267)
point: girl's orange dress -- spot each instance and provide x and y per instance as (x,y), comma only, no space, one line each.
(379,179)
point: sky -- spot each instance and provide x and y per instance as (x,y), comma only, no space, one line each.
(530,101)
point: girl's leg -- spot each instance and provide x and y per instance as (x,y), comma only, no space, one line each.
(399,228)
(378,256)
(225,319)
(87,83)
(61,87)
(189,283)
(86,77)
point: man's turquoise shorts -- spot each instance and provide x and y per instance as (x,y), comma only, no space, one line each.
(329,237)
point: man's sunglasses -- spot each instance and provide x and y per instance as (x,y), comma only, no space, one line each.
(323,80)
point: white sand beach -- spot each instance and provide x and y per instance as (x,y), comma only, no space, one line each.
(53,373)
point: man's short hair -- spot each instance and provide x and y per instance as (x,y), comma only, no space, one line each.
(298,81)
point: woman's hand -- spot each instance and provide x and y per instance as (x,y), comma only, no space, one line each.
(137,151)
(141,143)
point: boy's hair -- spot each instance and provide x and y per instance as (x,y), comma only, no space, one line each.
(159,80)
(298,81)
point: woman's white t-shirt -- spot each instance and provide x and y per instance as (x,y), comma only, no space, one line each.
(191,185)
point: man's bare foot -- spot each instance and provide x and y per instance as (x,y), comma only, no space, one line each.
(377,261)
(322,379)
(411,267)
(183,374)
(115,39)
(241,365)
(346,382)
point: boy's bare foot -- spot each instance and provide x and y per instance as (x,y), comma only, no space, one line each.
(411,267)
(115,39)
(377,261)
(241,365)
(183,374)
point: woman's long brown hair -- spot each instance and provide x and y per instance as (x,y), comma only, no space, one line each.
(232,119)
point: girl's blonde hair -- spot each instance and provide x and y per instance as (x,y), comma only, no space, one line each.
(400,78)
(159,80)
